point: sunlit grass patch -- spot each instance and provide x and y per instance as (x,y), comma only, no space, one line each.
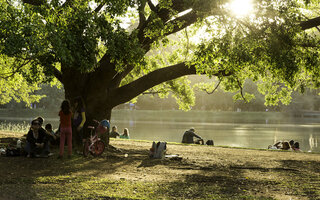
(14,128)
(79,187)
(90,187)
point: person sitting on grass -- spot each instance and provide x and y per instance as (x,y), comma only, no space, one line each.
(47,136)
(286,146)
(54,137)
(188,137)
(275,146)
(296,147)
(35,142)
(125,134)
(114,132)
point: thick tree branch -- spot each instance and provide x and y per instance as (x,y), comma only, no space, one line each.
(133,89)
(309,19)
(35,2)
(164,14)
(142,17)
(99,7)
(152,7)
(57,74)
(182,22)
(178,24)
(310,23)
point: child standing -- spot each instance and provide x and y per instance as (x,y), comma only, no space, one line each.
(65,128)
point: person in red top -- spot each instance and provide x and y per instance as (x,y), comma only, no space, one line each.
(65,128)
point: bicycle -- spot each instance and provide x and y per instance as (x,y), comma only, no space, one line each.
(94,145)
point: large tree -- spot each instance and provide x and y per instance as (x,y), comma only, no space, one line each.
(111,51)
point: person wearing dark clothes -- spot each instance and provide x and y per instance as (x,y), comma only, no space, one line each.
(114,132)
(189,135)
(47,136)
(296,147)
(54,138)
(78,121)
(35,144)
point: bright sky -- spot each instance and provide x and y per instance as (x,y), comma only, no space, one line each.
(241,7)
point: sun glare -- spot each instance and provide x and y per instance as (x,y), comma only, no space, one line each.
(241,7)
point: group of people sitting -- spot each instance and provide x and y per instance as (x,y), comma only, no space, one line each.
(285,145)
(115,134)
(39,139)
(190,137)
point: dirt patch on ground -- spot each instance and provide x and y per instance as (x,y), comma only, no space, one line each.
(256,173)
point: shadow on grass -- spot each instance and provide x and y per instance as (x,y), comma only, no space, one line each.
(23,178)
(306,180)
(20,175)
(292,179)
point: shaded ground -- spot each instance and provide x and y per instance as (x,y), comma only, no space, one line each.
(204,172)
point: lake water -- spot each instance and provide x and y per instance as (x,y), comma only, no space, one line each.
(253,130)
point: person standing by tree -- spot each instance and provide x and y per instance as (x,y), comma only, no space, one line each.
(79,118)
(65,128)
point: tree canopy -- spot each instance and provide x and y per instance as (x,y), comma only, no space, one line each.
(110,52)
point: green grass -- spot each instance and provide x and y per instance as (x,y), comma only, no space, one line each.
(82,187)
(85,178)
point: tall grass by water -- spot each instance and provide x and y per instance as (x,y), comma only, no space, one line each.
(14,129)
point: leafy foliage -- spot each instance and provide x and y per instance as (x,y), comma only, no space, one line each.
(267,46)
(270,50)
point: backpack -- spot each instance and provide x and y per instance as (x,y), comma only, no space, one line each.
(158,150)
(13,152)
(210,142)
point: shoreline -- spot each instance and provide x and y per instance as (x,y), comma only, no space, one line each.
(20,134)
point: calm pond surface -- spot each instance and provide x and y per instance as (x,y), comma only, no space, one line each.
(236,129)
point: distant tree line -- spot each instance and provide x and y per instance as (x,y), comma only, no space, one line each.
(52,96)
(217,101)
(224,101)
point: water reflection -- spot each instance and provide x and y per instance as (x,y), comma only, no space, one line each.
(227,134)
(275,136)
(313,142)
(236,129)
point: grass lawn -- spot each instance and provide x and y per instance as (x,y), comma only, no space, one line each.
(204,172)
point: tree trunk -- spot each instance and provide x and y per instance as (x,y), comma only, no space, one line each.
(93,94)
(101,92)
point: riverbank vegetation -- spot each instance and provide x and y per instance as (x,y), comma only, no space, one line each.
(10,115)
(215,102)
(201,172)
